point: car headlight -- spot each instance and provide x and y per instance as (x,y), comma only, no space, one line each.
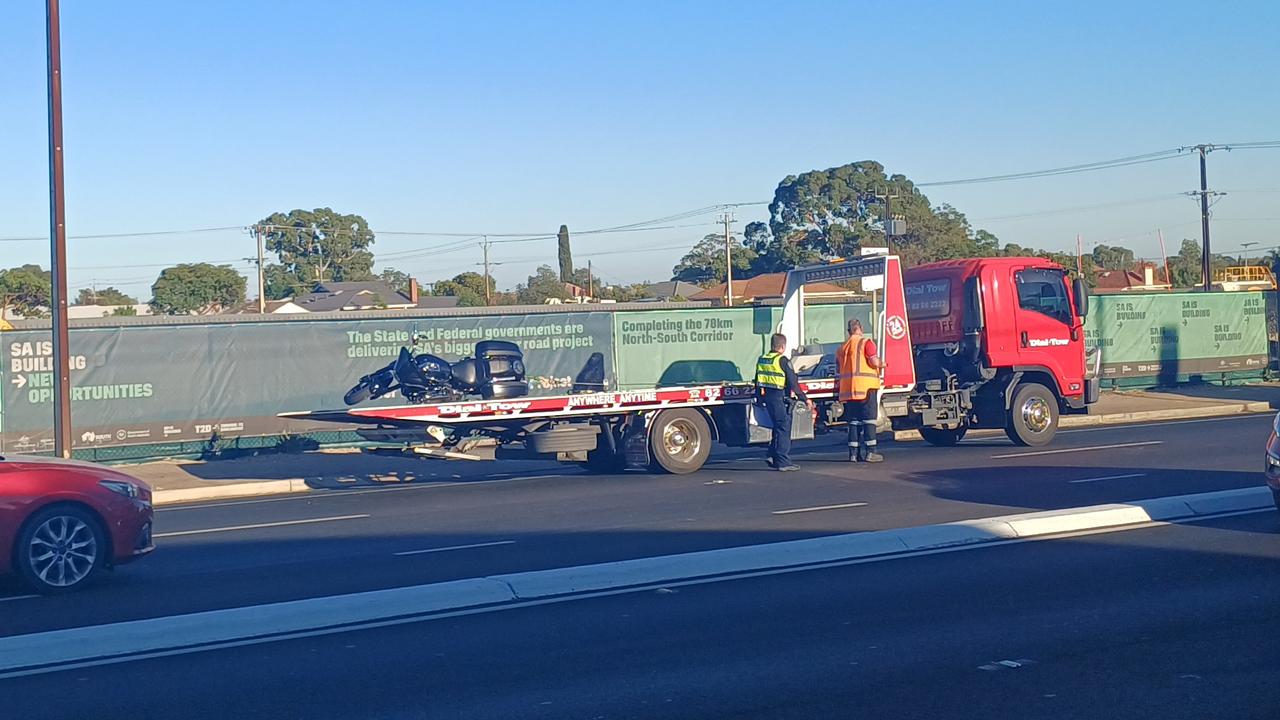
(126,489)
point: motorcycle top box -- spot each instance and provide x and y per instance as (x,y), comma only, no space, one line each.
(496,372)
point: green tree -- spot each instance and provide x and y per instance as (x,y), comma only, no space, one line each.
(198,288)
(125,311)
(105,296)
(1108,257)
(705,263)
(1185,267)
(396,279)
(835,212)
(321,245)
(468,287)
(540,287)
(27,290)
(564,254)
(280,284)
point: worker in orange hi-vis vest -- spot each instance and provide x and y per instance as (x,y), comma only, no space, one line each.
(858,382)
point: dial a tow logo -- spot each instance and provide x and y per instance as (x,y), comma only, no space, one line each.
(896,327)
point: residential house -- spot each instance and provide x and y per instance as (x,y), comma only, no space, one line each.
(672,290)
(1144,277)
(369,295)
(763,288)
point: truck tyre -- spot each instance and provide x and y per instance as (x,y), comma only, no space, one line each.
(943,437)
(679,441)
(1033,416)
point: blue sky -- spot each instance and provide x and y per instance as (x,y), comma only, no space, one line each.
(517,117)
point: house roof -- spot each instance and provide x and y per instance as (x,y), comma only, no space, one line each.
(674,288)
(764,286)
(272,306)
(370,295)
(1133,279)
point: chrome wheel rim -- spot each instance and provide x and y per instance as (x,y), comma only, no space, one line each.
(680,440)
(1036,414)
(63,551)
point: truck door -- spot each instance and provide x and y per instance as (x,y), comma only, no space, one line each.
(1044,321)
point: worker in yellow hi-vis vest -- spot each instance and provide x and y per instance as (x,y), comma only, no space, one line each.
(777,382)
(858,382)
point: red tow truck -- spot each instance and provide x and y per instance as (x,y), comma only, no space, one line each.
(999,343)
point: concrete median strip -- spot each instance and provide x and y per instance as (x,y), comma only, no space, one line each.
(121,642)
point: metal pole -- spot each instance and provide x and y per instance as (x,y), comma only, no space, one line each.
(262,281)
(1205,266)
(728,262)
(485,245)
(58,243)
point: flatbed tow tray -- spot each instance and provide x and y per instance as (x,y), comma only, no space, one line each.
(552,406)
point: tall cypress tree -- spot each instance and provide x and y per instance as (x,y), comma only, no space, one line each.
(566,259)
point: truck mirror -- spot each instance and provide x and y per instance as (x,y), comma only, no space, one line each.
(1081,298)
(973,320)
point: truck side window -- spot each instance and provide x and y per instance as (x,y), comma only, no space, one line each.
(1043,291)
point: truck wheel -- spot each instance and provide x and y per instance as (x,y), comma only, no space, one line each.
(679,441)
(1033,416)
(943,437)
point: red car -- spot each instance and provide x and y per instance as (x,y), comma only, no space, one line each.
(1273,461)
(62,521)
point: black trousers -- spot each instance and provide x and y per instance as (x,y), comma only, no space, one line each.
(860,416)
(779,408)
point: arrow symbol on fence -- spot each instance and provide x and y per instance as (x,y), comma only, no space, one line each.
(20,381)
(1217,346)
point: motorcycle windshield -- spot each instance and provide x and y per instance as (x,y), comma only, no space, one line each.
(407,372)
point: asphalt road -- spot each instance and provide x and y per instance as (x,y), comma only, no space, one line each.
(240,553)
(1166,622)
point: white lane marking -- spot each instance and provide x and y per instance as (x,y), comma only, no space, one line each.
(18,597)
(1109,477)
(15,670)
(819,507)
(1079,449)
(256,526)
(338,492)
(455,547)
(1110,427)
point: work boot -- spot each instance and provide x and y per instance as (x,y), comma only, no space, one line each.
(874,458)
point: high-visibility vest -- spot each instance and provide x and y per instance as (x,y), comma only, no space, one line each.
(855,377)
(769,372)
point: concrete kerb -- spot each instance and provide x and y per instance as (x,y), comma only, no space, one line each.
(47,651)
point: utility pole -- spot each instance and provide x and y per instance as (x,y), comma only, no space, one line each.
(591,282)
(1206,255)
(484,247)
(58,241)
(1205,268)
(262,281)
(728,221)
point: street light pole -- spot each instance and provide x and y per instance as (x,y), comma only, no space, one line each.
(58,243)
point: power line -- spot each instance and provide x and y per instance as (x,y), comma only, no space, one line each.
(1078,208)
(1066,170)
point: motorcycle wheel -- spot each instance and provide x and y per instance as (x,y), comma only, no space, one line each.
(358,394)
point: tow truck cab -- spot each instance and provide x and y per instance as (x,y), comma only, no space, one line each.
(997,343)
